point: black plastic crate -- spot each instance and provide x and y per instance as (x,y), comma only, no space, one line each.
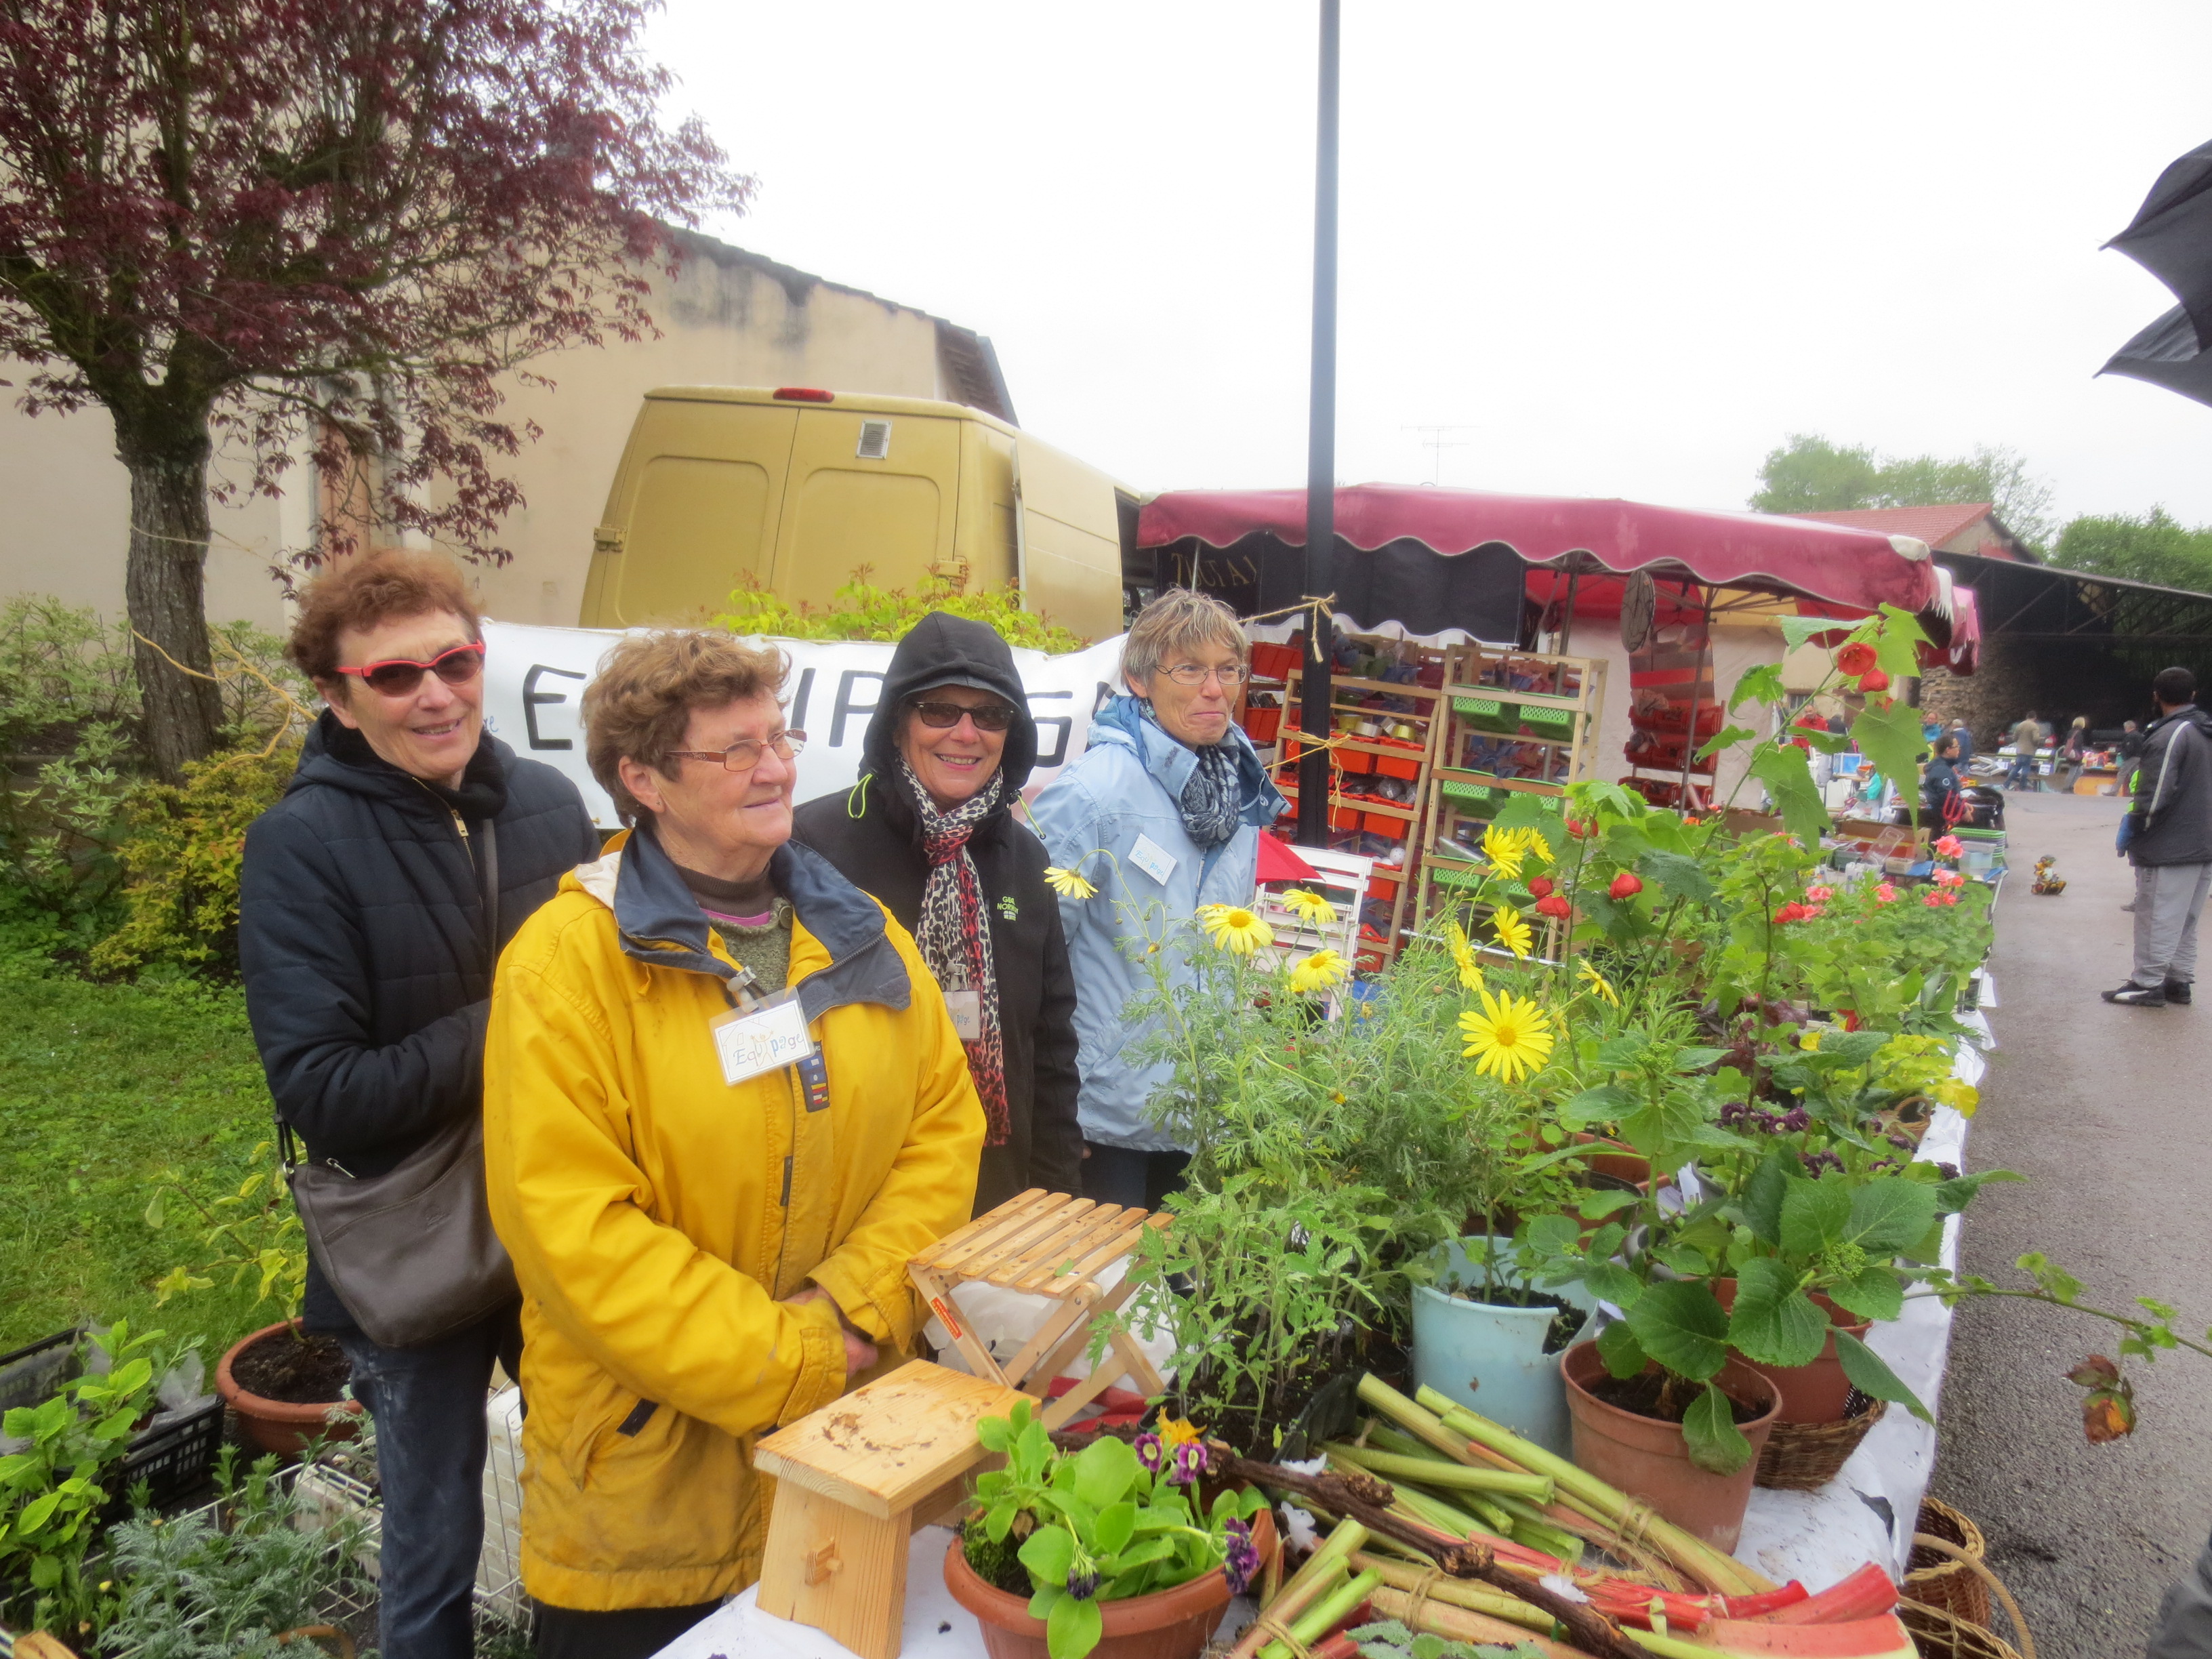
(173,1459)
(34,1375)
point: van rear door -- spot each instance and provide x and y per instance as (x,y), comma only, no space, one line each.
(878,490)
(705,482)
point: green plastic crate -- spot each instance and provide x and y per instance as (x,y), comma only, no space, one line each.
(1477,707)
(1477,793)
(1456,877)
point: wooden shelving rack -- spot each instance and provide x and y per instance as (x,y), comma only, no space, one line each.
(1482,705)
(1346,813)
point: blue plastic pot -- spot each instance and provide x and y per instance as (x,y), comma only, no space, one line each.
(1488,1357)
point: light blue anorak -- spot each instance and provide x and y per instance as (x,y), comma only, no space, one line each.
(1126,785)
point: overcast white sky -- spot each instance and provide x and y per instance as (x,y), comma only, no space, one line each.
(1626,247)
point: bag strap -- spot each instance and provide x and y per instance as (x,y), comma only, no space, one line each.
(490,836)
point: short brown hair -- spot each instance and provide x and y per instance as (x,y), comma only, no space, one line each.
(640,704)
(361,593)
(1178,619)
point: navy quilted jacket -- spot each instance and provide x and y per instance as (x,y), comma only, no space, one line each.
(361,936)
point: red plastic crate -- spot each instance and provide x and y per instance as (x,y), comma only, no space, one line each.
(1392,766)
(1274,662)
(1260,725)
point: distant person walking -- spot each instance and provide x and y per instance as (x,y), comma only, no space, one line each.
(2167,836)
(2071,754)
(1965,739)
(2027,738)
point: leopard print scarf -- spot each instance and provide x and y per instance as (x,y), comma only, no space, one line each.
(955,934)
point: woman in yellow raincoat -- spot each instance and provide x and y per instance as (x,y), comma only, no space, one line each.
(724,1103)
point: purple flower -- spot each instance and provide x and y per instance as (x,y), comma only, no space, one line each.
(1903,1143)
(1148,1452)
(1190,1463)
(1816,1162)
(1083,1581)
(1243,1565)
(1795,1119)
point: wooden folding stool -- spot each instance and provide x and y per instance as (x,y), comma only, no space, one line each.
(1050,1245)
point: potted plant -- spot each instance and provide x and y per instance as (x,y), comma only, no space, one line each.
(287,1386)
(1106,1549)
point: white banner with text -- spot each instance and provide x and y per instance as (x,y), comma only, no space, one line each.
(533,678)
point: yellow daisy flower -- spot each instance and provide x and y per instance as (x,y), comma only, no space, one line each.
(1513,930)
(1596,980)
(1470,970)
(1511,1039)
(1174,1431)
(1068,883)
(1235,929)
(1309,906)
(1319,971)
(1532,840)
(1504,850)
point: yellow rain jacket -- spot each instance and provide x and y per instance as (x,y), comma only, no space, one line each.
(657,1215)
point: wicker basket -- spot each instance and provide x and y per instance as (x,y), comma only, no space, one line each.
(1805,1457)
(1941,1633)
(1937,1579)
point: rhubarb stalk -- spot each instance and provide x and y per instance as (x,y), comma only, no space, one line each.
(1319,1620)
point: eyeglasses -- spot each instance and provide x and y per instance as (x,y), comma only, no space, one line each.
(1231,675)
(745,753)
(397,676)
(942,716)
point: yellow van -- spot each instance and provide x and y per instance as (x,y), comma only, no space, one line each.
(799,487)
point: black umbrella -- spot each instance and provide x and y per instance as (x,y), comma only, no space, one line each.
(2172,239)
(2166,353)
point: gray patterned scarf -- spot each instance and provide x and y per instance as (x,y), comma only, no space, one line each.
(955,934)
(1209,803)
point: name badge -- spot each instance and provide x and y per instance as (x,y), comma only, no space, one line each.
(967,1010)
(1154,859)
(765,1038)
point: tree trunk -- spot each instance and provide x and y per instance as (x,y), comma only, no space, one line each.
(165,587)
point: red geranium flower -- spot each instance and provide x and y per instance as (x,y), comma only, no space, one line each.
(1627,884)
(1856,658)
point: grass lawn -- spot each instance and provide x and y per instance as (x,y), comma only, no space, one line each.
(103,1090)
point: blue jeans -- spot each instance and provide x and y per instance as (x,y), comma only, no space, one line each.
(2023,773)
(428,1406)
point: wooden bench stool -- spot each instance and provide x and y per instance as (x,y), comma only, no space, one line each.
(853,1482)
(1050,1245)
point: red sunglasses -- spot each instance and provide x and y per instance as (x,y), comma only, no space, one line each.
(397,676)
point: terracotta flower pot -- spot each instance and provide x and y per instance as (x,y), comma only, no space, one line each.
(1169,1624)
(1812,1393)
(279,1425)
(1648,1458)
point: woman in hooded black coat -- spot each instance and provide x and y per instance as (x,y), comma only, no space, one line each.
(878,833)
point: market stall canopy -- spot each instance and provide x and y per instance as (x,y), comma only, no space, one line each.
(1433,559)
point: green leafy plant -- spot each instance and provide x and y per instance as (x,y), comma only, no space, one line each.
(1389,1640)
(253,1234)
(232,1586)
(51,1491)
(861,610)
(1105,1523)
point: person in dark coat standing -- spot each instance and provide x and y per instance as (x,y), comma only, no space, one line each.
(931,830)
(2167,836)
(363,943)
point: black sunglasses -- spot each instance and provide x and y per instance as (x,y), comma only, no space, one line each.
(941,716)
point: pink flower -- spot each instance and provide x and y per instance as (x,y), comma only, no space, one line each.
(1885,894)
(1790,913)
(1936,895)
(1818,895)
(1950,847)
(1949,879)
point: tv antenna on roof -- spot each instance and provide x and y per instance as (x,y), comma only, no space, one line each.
(1436,443)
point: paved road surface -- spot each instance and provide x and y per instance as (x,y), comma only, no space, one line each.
(2106,1110)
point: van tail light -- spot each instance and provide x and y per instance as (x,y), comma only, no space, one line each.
(805,394)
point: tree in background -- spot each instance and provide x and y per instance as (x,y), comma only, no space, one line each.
(1808,474)
(327,224)
(2150,548)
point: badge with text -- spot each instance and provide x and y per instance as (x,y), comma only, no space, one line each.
(967,1009)
(770,1034)
(1154,859)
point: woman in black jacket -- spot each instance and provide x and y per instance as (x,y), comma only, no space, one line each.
(930,829)
(363,939)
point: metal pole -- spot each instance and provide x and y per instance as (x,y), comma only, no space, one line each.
(1321,454)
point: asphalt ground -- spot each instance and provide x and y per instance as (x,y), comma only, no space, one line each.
(2104,1109)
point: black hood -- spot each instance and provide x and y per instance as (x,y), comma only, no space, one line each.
(336,754)
(942,650)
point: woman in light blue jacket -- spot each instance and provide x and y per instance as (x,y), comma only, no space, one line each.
(1173,789)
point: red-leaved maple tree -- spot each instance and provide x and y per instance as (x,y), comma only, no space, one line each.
(323,224)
